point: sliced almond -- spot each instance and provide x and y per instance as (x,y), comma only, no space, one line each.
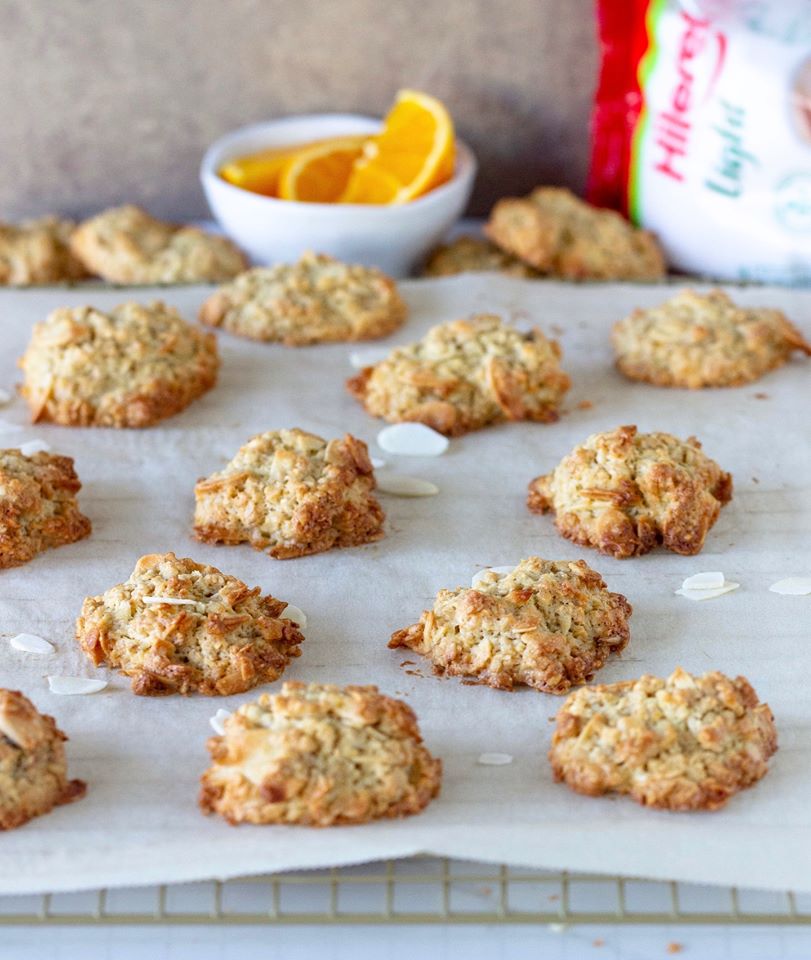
(478,577)
(710,580)
(412,440)
(792,586)
(728,587)
(494,759)
(172,601)
(293,613)
(218,720)
(31,643)
(75,686)
(402,486)
(368,357)
(30,447)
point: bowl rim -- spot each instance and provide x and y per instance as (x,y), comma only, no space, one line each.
(464,171)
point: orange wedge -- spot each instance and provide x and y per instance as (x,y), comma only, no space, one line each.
(258,172)
(414,153)
(320,173)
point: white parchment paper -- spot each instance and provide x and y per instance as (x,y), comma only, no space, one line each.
(142,757)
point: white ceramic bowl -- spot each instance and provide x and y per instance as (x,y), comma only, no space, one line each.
(393,238)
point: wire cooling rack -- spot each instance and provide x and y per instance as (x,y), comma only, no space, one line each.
(420,890)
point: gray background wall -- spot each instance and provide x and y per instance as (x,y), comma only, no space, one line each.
(111,100)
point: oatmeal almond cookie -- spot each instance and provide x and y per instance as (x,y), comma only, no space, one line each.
(130,367)
(126,245)
(547,624)
(177,626)
(699,340)
(321,756)
(464,375)
(317,300)
(682,743)
(474,255)
(291,493)
(557,233)
(38,506)
(37,251)
(33,772)
(624,492)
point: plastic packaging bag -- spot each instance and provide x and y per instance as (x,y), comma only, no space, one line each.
(702,131)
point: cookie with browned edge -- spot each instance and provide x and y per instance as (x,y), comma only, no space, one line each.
(33,770)
(176,626)
(38,508)
(697,340)
(38,251)
(624,492)
(319,755)
(680,743)
(547,624)
(560,235)
(465,375)
(316,300)
(474,255)
(126,245)
(291,493)
(130,366)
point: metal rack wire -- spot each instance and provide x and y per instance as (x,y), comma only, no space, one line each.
(422,890)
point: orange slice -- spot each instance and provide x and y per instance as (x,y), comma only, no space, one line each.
(258,172)
(320,173)
(414,153)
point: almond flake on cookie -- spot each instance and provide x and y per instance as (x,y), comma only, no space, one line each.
(218,720)
(292,612)
(484,574)
(31,447)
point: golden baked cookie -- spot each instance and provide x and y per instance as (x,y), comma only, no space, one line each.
(681,743)
(547,624)
(37,251)
(291,493)
(321,756)
(699,340)
(224,638)
(33,772)
(474,255)
(624,492)
(127,245)
(316,300)
(130,367)
(38,508)
(464,375)
(557,233)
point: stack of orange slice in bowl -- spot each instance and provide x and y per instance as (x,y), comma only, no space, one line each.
(412,154)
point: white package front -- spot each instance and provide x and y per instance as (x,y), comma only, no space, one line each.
(725,159)
(707,112)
